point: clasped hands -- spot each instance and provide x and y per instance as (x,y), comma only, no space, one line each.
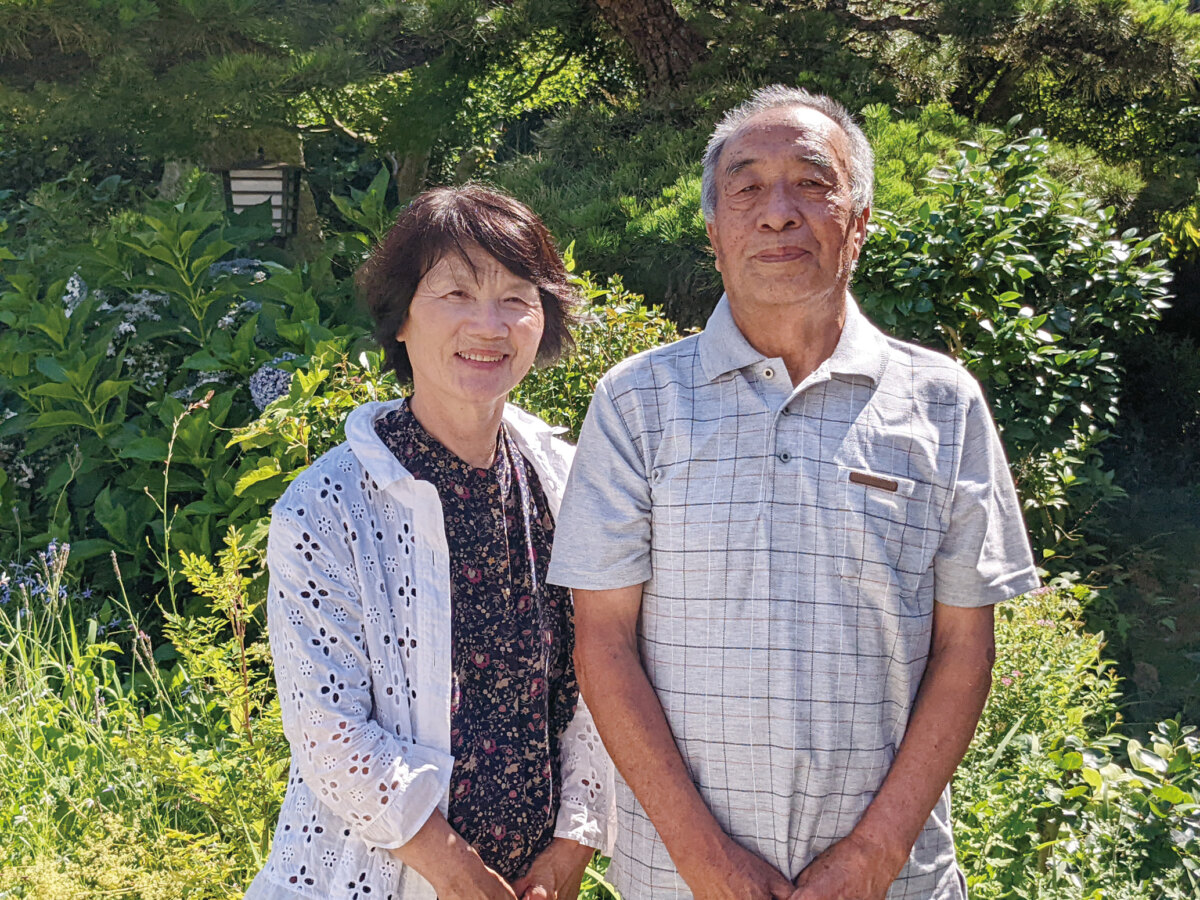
(851,869)
(554,874)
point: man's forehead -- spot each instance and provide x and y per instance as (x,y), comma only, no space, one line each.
(797,131)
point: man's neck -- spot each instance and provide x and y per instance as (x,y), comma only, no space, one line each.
(803,335)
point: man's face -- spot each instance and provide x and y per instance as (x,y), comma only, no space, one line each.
(783,229)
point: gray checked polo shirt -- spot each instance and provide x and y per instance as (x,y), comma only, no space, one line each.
(792,542)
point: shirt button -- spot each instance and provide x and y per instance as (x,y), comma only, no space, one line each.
(785,457)
(768,372)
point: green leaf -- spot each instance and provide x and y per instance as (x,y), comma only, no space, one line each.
(107,390)
(113,517)
(1171,794)
(1146,760)
(60,418)
(268,469)
(55,390)
(52,369)
(151,449)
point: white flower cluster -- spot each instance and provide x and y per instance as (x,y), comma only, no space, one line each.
(140,307)
(270,383)
(192,389)
(236,316)
(76,293)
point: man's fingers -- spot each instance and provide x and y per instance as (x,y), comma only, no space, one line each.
(537,892)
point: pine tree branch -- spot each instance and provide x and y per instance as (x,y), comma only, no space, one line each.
(546,73)
(926,28)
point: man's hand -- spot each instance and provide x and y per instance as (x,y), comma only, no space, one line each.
(851,869)
(555,873)
(735,874)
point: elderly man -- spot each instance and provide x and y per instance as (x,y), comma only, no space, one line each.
(786,535)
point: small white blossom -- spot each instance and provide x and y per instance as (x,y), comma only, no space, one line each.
(75,294)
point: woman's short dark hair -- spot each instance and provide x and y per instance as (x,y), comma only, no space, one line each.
(448,220)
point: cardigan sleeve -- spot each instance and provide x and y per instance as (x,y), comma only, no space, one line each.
(587,810)
(383,785)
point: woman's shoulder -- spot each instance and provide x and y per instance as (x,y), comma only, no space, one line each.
(537,434)
(333,477)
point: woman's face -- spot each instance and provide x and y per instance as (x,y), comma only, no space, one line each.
(472,332)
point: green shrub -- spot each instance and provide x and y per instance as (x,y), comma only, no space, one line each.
(136,349)
(1029,285)
(1051,801)
(616,324)
(129,766)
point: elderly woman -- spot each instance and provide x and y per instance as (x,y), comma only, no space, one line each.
(424,665)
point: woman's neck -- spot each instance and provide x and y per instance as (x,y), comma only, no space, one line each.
(469,432)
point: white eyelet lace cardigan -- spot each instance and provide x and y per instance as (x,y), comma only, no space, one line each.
(359,615)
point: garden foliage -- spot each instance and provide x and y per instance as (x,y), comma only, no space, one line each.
(163,381)
(155,766)
(1028,284)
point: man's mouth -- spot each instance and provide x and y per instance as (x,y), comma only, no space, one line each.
(780,254)
(476,356)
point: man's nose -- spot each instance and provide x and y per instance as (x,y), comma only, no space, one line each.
(779,211)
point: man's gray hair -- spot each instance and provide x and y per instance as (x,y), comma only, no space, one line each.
(862,159)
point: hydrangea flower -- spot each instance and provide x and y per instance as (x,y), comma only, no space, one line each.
(239,266)
(270,383)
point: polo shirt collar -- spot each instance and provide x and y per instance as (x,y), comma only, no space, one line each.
(861,348)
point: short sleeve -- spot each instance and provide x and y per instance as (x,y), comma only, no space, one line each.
(984,557)
(602,537)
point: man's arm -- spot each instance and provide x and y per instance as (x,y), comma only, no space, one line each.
(949,701)
(631,723)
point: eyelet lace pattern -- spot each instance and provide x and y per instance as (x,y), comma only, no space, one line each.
(359,620)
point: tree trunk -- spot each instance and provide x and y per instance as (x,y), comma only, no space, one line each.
(664,44)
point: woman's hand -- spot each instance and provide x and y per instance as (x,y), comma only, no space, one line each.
(451,865)
(474,882)
(555,873)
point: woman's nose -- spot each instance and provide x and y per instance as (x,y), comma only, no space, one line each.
(487,319)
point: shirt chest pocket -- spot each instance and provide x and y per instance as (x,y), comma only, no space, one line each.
(887,532)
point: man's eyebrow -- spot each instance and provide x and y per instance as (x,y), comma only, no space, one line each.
(820,160)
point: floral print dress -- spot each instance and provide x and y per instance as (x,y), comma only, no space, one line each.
(513,688)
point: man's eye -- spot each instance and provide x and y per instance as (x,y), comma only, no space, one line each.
(749,188)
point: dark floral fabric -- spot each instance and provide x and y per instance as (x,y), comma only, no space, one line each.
(513,688)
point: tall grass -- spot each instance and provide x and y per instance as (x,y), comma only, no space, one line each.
(127,767)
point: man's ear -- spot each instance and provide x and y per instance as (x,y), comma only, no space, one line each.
(712,241)
(860,227)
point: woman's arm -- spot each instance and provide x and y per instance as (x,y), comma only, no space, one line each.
(450,864)
(382,785)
